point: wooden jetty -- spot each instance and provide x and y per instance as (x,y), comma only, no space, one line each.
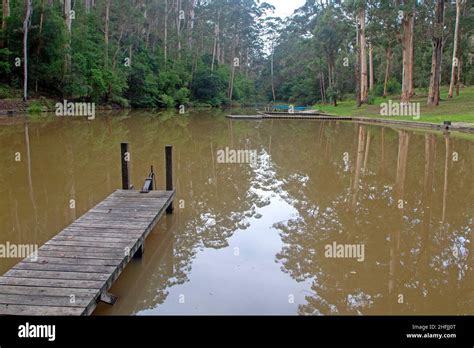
(290,116)
(245,117)
(74,270)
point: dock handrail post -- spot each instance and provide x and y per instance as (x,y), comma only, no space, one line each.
(125,160)
(169,173)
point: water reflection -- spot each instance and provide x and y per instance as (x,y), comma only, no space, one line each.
(418,260)
(250,240)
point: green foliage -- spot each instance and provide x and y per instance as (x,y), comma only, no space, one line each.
(5,65)
(134,62)
(133,65)
(318,48)
(122,102)
(35,107)
(371,99)
(5,92)
(181,96)
(332,93)
(393,87)
(166,101)
(208,88)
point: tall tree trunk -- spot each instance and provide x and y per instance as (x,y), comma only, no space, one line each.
(371,67)
(40,39)
(455,49)
(166,34)
(407,45)
(192,5)
(87,6)
(323,86)
(272,73)
(26,25)
(67,15)
(219,49)
(216,41)
(68,24)
(364,91)
(232,77)
(388,69)
(114,60)
(329,75)
(357,68)
(435,81)
(178,27)
(458,81)
(5,15)
(412,54)
(460,61)
(247,62)
(106,32)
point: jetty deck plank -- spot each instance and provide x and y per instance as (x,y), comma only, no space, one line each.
(74,268)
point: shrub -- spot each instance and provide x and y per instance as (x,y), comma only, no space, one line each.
(182,96)
(393,87)
(166,101)
(371,99)
(35,107)
(122,102)
(5,92)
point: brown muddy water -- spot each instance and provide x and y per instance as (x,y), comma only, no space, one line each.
(333,218)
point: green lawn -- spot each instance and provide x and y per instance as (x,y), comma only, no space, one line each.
(458,109)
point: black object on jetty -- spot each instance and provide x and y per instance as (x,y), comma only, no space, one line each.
(74,270)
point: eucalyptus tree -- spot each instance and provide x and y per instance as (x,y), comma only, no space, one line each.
(384,30)
(329,34)
(5,15)
(455,61)
(273,25)
(26,28)
(407,16)
(437,43)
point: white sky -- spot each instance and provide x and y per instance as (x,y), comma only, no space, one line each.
(284,8)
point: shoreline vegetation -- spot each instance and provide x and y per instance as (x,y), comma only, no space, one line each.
(347,59)
(461,117)
(457,111)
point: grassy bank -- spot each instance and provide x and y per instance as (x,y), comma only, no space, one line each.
(458,109)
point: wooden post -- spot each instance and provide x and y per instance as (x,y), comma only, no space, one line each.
(152,187)
(169,173)
(125,160)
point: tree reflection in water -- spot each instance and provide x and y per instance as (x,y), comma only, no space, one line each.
(410,267)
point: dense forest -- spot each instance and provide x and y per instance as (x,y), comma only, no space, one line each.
(166,53)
